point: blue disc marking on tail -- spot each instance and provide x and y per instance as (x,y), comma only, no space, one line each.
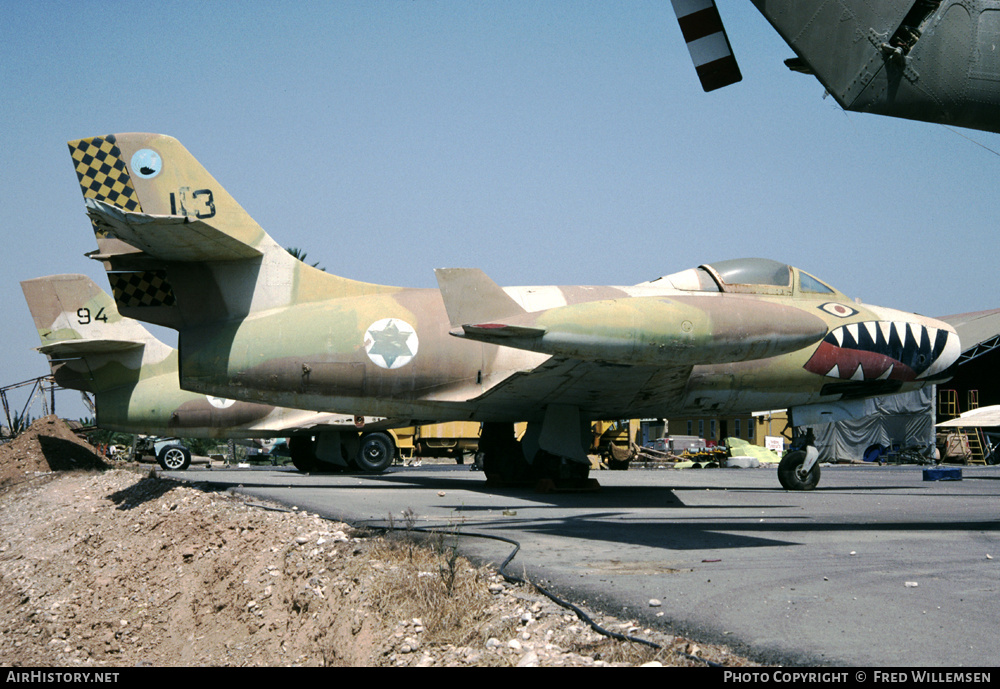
(146,163)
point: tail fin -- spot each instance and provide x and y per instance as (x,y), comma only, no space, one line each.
(178,249)
(90,346)
(154,175)
(470,297)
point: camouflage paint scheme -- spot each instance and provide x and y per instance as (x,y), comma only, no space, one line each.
(133,375)
(929,60)
(257,324)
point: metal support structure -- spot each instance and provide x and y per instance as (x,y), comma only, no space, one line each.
(39,387)
(978,350)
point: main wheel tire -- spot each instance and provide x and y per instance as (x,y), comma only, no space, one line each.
(790,473)
(502,457)
(555,468)
(303,453)
(375,454)
(174,458)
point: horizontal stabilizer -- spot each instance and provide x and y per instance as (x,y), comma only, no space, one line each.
(471,297)
(75,348)
(168,237)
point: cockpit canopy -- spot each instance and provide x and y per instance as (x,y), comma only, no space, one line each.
(747,276)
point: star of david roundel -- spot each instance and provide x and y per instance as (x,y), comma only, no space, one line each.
(391,343)
(220,402)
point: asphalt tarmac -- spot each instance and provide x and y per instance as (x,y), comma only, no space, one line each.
(876,567)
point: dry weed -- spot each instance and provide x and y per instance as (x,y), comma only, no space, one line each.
(444,590)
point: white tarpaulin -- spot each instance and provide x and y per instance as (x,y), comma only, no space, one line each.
(906,420)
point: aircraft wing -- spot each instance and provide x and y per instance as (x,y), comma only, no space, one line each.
(842,46)
(600,391)
(930,61)
(986,417)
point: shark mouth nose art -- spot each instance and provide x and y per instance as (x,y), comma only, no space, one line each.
(884,350)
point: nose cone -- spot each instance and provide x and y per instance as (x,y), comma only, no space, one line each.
(900,346)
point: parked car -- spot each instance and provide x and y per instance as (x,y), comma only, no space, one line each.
(168,452)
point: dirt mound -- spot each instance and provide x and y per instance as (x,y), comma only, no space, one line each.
(47,445)
(117,569)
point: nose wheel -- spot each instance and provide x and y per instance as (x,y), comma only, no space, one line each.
(792,472)
(375,453)
(799,468)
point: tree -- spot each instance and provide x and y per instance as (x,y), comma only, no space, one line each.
(301,255)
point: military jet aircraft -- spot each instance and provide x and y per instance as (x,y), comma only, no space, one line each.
(133,376)
(931,60)
(257,324)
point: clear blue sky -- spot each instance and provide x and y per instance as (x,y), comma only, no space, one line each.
(544,142)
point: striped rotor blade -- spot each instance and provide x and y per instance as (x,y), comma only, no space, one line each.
(707,42)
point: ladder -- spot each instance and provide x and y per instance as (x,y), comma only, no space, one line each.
(971,437)
(948,403)
(975,440)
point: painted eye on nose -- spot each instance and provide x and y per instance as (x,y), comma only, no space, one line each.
(838,310)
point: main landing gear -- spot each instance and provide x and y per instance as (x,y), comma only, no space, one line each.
(371,453)
(554,465)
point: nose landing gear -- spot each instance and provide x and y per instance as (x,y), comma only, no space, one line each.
(798,469)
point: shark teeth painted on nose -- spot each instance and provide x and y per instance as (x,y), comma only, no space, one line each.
(879,350)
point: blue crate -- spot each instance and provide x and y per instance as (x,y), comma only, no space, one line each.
(943,474)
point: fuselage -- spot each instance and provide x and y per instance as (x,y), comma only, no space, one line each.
(395,354)
(258,325)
